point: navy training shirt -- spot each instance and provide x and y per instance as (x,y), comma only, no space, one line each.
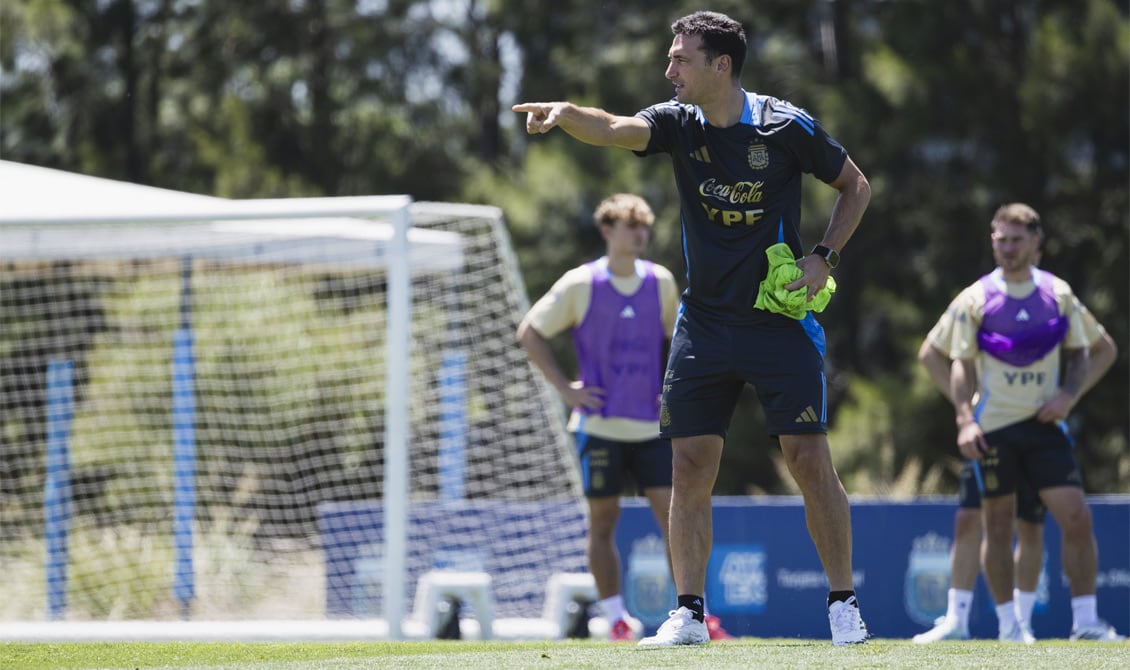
(740,193)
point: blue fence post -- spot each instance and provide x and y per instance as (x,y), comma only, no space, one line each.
(184,448)
(453,426)
(57,484)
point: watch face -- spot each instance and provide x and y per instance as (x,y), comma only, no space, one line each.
(829,255)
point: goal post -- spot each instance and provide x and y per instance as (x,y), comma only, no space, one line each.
(230,371)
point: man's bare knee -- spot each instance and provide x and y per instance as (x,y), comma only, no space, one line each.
(967,523)
(694,464)
(809,461)
(998,517)
(604,513)
(1076,523)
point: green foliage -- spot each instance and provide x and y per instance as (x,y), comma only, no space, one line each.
(125,571)
(114,572)
(871,420)
(270,361)
(949,108)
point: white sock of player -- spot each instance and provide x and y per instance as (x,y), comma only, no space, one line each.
(1025,602)
(1006,616)
(958,605)
(1084,611)
(613,608)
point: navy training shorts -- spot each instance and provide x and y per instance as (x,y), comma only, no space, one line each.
(711,361)
(607,464)
(1028,504)
(1038,452)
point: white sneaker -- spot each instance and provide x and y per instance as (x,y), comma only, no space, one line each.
(1016,633)
(846,622)
(1101,631)
(679,628)
(944,628)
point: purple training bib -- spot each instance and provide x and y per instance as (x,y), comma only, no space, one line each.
(1021,331)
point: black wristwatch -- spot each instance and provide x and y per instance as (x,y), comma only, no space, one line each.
(829,255)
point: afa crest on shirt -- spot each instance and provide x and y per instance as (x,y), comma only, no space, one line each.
(758,156)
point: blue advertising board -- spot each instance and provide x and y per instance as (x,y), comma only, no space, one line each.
(765,579)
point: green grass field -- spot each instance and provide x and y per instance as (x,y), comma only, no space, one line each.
(565,655)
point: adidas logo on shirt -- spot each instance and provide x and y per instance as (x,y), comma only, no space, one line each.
(628,313)
(1022,315)
(701,154)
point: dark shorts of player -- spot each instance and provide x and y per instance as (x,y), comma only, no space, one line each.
(1038,452)
(607,465)
(712,361)
(1028,504)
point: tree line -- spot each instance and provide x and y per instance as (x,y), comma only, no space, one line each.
(950,109)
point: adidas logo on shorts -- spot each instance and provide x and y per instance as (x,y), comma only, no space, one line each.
(809,415)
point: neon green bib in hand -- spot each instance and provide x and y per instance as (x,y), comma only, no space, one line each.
(772,295)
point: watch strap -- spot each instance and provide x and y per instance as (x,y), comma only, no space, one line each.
(828,254)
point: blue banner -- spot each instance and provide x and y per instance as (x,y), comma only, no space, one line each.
(765,579)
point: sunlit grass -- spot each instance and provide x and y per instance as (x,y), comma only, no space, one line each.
(555,655)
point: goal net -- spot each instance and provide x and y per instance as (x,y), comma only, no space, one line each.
(194,419)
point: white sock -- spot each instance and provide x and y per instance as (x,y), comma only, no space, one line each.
(957,608)
(1025,602)
(1006,616)
(1084,611)
(613,608)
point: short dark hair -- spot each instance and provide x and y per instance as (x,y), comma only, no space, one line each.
(1020,214)
(720,35)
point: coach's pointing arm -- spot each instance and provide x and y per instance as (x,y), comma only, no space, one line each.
(588,124)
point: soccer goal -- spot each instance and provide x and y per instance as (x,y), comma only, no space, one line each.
(270,410)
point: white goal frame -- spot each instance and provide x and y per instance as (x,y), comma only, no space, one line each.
(228,227)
